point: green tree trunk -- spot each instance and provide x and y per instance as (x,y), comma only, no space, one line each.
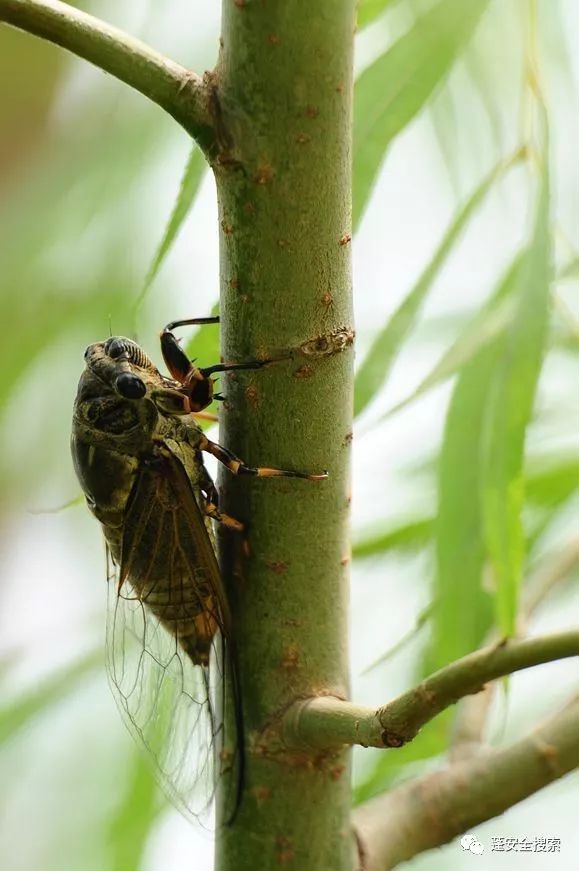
(284,86)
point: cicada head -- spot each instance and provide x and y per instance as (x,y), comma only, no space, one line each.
(122,365)
(114,423)
(113,398)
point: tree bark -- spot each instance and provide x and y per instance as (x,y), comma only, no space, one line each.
(432,809)
(284,89)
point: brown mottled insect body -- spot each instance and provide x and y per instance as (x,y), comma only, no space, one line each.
(137,452)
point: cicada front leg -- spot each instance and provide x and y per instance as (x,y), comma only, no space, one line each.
(197,384)
(175,358)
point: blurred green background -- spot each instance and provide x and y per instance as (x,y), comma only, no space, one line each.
(466,269)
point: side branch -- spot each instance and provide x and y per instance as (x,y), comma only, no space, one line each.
(434,809)
(182,93)
(329,722)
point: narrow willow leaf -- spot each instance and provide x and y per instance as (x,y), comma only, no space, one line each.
(131,826)
(423,617)
(509,412)
(464,611)
(396,86)
(407,537)
(369,10)
(483,330)
(190,184)
(555,38)
(570,270)
(56,509)
(564,325)
(552,484)
(444,118)
(480,72)
(379,360)
(38,700)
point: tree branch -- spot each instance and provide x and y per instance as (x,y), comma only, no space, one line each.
(330,722)
(434,809)
(183,94)
(468,729)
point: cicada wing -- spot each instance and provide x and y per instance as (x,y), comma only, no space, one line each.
(166,598)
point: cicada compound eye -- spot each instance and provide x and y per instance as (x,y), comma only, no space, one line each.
(130,386)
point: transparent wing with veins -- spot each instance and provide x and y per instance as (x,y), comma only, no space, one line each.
(168,639)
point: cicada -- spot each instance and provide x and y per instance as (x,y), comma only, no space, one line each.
(138,451)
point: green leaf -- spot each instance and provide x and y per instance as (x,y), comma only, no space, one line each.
(485,327)
(17,714)
(509,411)
(391,92)
(369,10)
(190,184)
(379,360)
(131,825)
(405,538)
(481,74)
(551,484)
(422,618)
(445,124)
(464,611)
(570,270)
